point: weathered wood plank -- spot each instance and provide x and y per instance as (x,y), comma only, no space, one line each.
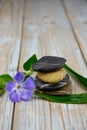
(77,13)
(11,19)
(48,32)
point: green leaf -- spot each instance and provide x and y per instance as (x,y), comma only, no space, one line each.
(70,99)
(77,76)
(28,64)
(5,78)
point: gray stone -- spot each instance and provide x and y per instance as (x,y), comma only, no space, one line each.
(49,64)
(51,87)
(63,91)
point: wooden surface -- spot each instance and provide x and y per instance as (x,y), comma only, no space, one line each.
(44,27)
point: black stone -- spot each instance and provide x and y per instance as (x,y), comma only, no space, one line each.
(49,64)
(51,87)
(66,90)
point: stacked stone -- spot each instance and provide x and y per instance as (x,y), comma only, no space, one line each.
(51,76)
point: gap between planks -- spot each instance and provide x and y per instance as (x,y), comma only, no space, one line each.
(21,35)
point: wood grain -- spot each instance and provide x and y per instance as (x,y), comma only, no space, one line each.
(11,19)
(47,31)
(77,14)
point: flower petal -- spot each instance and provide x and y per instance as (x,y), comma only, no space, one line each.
(29,84)
(10,86)
(15,96)
(19,77)
(26,95)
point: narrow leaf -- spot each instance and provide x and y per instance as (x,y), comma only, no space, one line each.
(70,99)
(79,77)
(28,64)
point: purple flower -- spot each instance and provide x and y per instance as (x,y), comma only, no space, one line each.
(20,89)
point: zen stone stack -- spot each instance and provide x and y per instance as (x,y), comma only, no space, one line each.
(51,76)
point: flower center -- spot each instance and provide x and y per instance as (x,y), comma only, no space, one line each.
(19,86)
